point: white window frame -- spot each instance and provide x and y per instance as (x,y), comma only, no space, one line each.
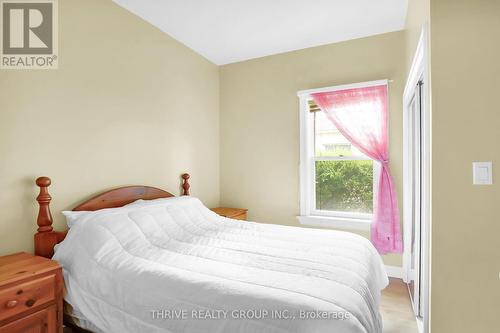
(309,215)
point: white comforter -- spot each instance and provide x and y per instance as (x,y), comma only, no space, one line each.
(172,265)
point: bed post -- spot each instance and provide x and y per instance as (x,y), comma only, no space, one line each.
(45,238)
(44,219)
(185,184)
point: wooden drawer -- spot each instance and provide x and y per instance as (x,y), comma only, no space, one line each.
(43,321)
(26,295)
(232,213)
(242,216)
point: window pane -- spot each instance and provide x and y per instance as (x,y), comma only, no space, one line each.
(345,186)
(328,140)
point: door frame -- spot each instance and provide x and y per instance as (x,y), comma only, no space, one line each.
(415,194)
(419,69)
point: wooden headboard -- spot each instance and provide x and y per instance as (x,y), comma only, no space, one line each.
(46,237)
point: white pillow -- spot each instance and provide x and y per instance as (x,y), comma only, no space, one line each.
(138,202)
(142,202)
(73,216)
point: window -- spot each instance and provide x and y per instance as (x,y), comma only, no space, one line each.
(343,175)
(337,180)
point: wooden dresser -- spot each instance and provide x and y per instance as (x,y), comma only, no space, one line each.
(232,213)
(31,294)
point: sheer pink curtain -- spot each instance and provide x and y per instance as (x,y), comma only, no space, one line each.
(360,114)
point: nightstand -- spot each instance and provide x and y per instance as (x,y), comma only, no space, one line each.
(31,294)
(232,213)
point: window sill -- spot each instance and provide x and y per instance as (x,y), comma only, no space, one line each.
(335,222)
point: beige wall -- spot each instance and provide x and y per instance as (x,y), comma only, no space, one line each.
(465,53)
(260,119)
(128,105)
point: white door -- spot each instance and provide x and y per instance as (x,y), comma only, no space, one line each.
(415,155)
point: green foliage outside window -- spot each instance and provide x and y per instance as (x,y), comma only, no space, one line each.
(344,186)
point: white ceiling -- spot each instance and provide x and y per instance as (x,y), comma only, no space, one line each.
(226,31)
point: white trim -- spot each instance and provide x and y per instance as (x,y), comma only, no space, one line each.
(420,324)
(394,271)
(419,68)
(305,146)
(343,87)
(346,215)
(415,74)
(335,222)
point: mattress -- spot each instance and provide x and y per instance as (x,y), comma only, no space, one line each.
(172,265)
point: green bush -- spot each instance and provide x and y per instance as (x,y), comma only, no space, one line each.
(344,186)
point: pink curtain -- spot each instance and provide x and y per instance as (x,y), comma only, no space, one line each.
(360,114)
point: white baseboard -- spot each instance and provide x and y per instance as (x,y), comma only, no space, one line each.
(394,271)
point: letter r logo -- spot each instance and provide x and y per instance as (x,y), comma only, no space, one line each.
(27,27)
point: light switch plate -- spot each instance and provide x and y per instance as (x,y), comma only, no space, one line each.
(482,173)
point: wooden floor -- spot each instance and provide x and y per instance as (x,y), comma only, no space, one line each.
(396,310)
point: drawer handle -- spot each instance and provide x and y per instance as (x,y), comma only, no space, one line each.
(29,303)
(11,304)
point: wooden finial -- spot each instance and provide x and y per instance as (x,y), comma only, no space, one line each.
(185,183)
(46,238)
(44,219)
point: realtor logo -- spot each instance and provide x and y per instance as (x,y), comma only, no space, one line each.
(29,34)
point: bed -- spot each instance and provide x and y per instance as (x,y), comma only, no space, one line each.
(138,259)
